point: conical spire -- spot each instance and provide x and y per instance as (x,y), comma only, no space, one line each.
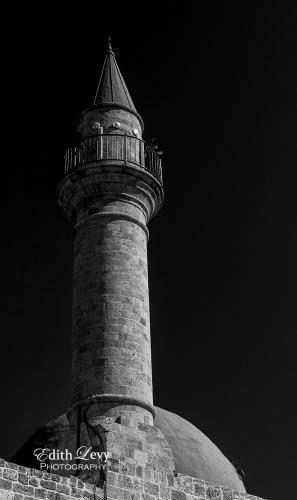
(112,88)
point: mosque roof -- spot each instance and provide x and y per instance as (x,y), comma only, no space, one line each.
(194,453)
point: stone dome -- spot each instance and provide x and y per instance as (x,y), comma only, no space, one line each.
(194,454)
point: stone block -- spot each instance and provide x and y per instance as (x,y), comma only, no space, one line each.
(183,483)
(23,478)
(55,477)
(199,488)
(63,488)
(125,481)
(178,495)
(5,484)
(40,493)
(138,484)
(10,474)
(34,481)
(151,488)
(37,473)
(227,494)
(165,492)
(11,465)
(214,493)
(22,488)
(49,485)
(76,492)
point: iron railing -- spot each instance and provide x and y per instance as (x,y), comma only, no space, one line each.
(120,147)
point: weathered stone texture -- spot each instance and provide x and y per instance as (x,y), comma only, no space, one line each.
(110,206)
(122,483)
(111,325)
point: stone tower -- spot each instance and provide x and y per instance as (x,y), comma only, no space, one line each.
(111,189)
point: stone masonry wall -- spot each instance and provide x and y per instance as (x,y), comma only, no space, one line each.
(111,329)
(21,483)
(124,482)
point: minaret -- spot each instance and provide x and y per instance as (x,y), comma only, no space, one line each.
(111,189)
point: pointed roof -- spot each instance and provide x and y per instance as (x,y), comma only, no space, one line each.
(111,87)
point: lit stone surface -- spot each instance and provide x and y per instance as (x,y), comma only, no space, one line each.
(124,481)
(180,446)
(195,454)
(111,325)
(110,206)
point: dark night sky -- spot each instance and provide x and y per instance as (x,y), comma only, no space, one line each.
(218,87)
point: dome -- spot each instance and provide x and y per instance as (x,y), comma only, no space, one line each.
(194,454)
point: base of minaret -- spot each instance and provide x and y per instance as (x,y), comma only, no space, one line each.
(121,459)
(122,445)
(137,464)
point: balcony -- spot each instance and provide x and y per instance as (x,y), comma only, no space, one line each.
(114,147)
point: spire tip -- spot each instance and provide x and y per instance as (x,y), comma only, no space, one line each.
(109,47)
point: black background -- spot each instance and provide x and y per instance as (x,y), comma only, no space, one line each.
(217,85)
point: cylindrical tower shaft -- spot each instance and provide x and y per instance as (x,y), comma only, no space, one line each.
(111,330)
(111,190)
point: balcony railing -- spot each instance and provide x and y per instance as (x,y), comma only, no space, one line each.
(125,148)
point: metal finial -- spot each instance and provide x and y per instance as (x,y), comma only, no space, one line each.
(109,47)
